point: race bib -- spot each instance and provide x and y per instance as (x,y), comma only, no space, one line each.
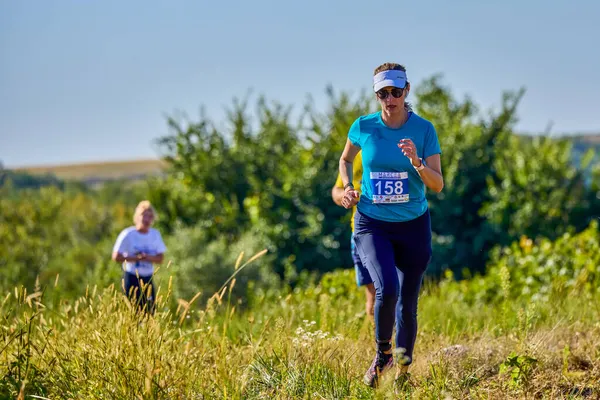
(389,187)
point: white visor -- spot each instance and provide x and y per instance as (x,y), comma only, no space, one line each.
(392,78)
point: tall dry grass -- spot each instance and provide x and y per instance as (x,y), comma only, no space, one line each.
(302,344)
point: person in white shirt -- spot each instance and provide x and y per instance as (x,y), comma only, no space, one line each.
(138,248)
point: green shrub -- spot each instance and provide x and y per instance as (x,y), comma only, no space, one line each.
(198,265)
(536,270)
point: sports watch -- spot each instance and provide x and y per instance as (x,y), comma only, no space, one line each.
(422,166)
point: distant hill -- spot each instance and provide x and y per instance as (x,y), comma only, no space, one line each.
(98,172)
(584,142)
(592,139)
(581,142)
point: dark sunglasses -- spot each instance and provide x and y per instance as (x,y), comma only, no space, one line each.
(396,92)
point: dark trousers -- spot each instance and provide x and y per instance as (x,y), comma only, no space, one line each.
(140,290)
(396,255)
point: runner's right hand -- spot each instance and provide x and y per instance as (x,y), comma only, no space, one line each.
(350,198)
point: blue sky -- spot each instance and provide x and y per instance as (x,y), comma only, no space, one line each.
(93,80)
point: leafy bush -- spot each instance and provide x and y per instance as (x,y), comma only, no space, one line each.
(272,172)
(201,265)
(48,232)
(264,179)
(536,270)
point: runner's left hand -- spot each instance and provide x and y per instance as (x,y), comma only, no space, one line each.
(409,150)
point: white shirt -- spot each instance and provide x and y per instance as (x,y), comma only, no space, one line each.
(131,242)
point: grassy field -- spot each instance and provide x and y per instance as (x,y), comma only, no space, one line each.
(99,170)
(311,343)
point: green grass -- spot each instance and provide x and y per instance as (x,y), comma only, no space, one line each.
(313,343)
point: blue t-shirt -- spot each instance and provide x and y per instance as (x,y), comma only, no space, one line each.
(392,189)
